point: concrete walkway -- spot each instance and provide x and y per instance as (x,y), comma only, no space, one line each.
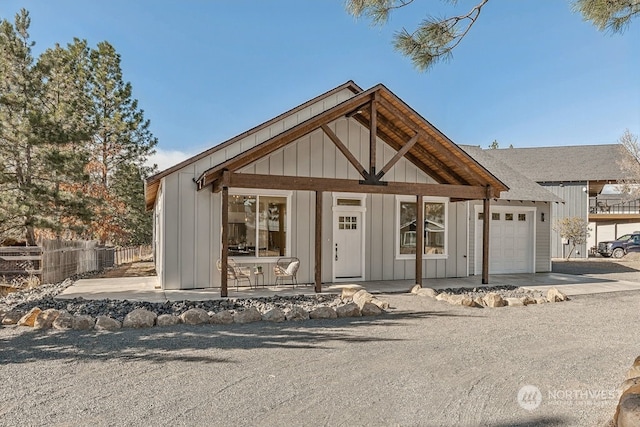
(146,288)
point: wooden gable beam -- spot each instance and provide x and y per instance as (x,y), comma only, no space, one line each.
(436,145)
(344,150)
(284,138)
(300,183)
(399,154)
(373,134)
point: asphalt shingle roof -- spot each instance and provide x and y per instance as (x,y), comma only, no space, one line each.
(520,186)
(564,164)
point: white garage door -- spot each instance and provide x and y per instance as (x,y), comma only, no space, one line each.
(511,241)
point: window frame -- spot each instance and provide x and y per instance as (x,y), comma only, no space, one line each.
(412,199)
(264,193)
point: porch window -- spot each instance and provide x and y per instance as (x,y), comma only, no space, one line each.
(258,225)
(435,228)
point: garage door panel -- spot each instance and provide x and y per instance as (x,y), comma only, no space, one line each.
(511,242)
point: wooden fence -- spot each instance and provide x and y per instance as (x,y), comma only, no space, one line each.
(55,260)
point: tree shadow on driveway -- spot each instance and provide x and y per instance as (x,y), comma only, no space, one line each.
(203,344)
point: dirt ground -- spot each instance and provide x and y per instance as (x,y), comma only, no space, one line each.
(135,269)
(627,268)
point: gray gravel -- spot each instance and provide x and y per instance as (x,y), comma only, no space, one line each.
(427,363)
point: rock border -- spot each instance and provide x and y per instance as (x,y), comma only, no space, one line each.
(628,410)
(491,297)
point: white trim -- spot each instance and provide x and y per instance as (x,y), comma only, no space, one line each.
(467,225)
(341,209)
(477,264)
(445,201)
(261,192)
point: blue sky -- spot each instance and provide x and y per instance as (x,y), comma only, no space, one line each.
(530,72)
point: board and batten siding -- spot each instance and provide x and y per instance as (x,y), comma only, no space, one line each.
(543,233)
(576,204)
(191,219)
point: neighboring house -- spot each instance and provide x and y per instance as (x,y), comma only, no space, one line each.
(585,178)
(316,184)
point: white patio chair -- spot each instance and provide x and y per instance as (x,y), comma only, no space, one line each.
(286,268)
(235,272)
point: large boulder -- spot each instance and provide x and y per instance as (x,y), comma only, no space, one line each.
(195,316)
(12,317)
(274,315)
(554,295)
(443,296)
(249,315)
(634,372)
(627,384)
(63,321)
(83,322)
(297,313)
(323,313)
(370,309)
(348,310)
(362,297)
(139,318)
(45,319)
(106,323)
(224,317)
(415,288)
(628,410)
(348,291)
(493,299)
(167,320)
(29,319)
(514,302)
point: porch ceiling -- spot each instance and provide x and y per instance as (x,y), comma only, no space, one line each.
(396,124)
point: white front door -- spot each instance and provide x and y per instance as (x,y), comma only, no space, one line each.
(347,245)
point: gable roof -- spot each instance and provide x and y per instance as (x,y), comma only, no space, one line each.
(565,164)
(397,124)
(520,187)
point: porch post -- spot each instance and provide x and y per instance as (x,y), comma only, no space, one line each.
(318,243)
(485,237)
(419,238)
(225,241)
(373,133)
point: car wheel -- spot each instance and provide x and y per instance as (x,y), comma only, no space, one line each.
(618,253)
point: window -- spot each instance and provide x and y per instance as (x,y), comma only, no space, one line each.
(495,216)
(522,217)
(435,229)
(257,225)
(508,217)
(347,222)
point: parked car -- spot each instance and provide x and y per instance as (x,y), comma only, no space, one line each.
(621,246)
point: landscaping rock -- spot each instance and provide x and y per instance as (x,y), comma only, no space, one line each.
(221,318)
(106,323)
(12,317)
(83,322)
(323,313)
(348,310)
(349,291)
(29,319)
(627,384)
(370,309)
(634,372)
(249,315)
(426,292)
(541,300)
(362,297)
(527,300)
(139,318)
(274,315)
(493,299)
(479,302)
(415,289)
(514,302)
(195,316)
(628,410)
(63,321)
(443,296)
(297,313)
(45,319)
(554,295)
(167,320)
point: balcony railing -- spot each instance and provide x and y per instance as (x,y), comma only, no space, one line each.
(613,206)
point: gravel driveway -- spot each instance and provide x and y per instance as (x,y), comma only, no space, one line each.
(428,364)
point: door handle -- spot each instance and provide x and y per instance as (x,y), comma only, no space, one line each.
(336,251)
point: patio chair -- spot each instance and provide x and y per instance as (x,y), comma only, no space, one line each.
(286,268)
(235,272)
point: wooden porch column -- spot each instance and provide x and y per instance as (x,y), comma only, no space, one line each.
(419,238)
(373,133)
(485,237)
(225,242)
(318,243)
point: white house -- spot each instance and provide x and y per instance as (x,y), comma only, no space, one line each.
(316,184)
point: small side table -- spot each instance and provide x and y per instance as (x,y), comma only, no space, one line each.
(256,276)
